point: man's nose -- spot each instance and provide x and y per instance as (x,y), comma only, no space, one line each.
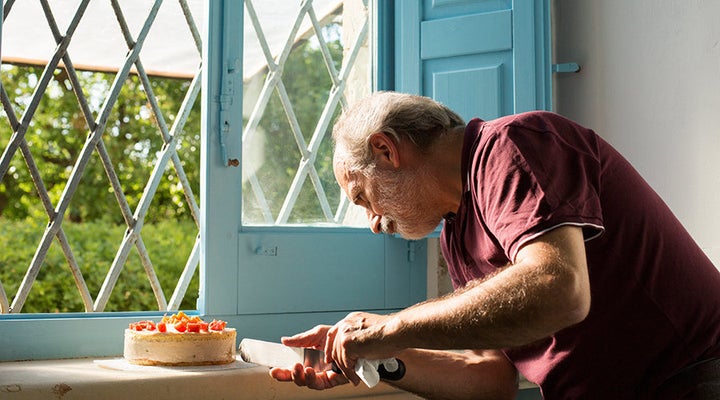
(375,221)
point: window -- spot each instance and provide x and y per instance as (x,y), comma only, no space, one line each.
(99,173)
(103,148)
(300,67)
(223,162)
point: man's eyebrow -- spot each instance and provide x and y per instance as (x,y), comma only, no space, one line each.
(354,192)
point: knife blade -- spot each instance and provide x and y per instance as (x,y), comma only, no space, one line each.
(272,354)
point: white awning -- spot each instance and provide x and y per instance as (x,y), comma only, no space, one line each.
(169,49)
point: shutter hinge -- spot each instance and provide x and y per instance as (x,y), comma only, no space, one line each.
(227,93)
(565,67)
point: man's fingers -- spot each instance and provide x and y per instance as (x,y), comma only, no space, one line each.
(306,376)
(329,342)
(335,379)
(297,341)
(323,380)
(314,381)
(349,371)
(281,374)
(314,338)
(298,375)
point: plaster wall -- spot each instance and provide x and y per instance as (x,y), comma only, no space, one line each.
(650,84)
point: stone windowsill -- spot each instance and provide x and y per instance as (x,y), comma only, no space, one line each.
(94,379)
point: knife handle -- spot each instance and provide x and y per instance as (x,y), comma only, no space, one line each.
(392,375)
(395,375)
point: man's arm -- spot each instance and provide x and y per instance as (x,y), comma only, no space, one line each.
(546,289)
(432,374)
(437,374)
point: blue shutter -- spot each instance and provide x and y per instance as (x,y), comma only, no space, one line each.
(481,58)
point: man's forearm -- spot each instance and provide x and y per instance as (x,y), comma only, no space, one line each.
(434,374)
(545,291)
(485,315)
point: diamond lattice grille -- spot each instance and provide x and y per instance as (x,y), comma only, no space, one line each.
(109,144)
(287,170)
(115,147)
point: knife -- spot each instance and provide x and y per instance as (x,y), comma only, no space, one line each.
(272,354)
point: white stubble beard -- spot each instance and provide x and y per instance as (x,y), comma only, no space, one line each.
(406,200)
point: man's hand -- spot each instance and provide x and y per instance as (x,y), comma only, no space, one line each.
(358,335)
(306,376)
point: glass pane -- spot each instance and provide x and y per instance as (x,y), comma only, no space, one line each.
(301,66)
(100,143)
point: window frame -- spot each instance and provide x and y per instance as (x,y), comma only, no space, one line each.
(72,335)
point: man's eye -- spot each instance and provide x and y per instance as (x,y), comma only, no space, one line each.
(359,201)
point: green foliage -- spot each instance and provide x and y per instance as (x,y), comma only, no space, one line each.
(93,222)
(308,84)
(58,131)
(94,245)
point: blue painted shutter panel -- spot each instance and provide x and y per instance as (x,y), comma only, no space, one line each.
(481,58)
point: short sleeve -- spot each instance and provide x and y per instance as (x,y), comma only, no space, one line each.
(536,173)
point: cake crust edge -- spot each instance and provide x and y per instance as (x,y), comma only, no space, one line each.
(228,334)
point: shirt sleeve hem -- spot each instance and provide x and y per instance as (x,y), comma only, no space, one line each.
(599,229)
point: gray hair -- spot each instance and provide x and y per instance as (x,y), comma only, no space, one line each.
(420,119)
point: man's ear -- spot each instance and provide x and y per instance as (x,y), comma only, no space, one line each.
(385,150)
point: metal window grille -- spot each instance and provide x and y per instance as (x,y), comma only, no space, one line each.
(96,126)
(303,192)
(273,205)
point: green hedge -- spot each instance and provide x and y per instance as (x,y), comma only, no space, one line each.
(94,245)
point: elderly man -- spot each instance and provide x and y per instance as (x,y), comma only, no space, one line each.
(567,266)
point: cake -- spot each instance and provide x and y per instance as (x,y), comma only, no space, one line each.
(179,340)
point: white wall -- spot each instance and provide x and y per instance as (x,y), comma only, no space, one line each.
(650,85)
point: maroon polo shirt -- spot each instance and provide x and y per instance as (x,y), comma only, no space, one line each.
(655,296)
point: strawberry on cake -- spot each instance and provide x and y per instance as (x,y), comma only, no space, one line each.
(179,340)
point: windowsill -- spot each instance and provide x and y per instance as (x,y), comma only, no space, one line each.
(87,378)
